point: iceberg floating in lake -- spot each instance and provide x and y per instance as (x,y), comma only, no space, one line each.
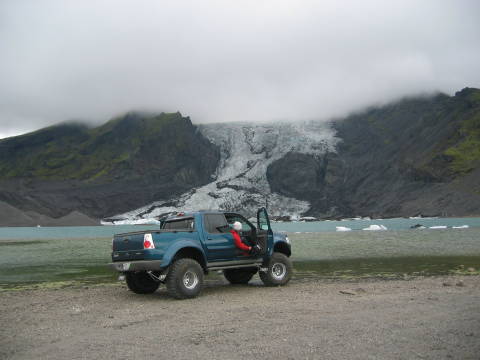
(308,218)
(343,228)
(438,227)
(460,227)
(375,227)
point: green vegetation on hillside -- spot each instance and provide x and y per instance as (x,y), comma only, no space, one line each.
(72,151)
(466,153)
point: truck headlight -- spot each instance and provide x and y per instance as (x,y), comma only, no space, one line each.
(287,239)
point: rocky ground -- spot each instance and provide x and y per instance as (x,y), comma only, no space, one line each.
(424,318)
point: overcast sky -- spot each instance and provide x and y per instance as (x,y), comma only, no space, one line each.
(227,60)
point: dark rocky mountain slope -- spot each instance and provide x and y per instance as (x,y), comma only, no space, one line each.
(417,156)
(126,163)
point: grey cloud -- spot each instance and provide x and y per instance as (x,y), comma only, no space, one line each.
(227,61)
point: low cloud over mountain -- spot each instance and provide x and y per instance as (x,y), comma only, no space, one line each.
(227,61)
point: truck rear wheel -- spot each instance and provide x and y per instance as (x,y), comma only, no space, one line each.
(141,282)
(279,270)
(185,279)
(239,276)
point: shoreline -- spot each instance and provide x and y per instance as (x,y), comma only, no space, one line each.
(338,271)
(423,317)
(274,220)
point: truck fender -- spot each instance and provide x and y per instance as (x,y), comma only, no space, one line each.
(282,247)
(281,243)
(180,245)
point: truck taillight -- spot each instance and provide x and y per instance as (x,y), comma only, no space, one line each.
(148,242)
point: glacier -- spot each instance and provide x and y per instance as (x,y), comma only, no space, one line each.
(240,182)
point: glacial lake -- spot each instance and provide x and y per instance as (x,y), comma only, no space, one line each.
(72,256)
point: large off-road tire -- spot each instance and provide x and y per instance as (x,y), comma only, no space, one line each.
(279,270)
(184,279)
(141,282)
(239,276)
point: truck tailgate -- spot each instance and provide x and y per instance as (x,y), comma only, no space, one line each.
(129,241)
(128,246)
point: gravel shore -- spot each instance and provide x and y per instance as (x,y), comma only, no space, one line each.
(424,318)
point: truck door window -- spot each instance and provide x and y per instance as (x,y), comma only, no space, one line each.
(262,219)
(215,223)
(246,227)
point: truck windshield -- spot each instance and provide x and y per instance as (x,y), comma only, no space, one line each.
(179,224)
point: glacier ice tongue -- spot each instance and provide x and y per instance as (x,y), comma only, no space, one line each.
(240,182)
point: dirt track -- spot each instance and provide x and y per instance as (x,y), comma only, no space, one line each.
(418,318)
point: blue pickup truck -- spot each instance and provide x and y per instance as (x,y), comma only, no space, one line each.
(189,245)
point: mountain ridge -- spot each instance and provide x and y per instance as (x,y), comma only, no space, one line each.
(419,155)
(402,159)
(122,164)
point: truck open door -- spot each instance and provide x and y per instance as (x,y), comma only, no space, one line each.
(264,231)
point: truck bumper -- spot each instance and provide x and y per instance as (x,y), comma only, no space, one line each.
(139,265)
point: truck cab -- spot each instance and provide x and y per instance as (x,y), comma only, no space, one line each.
(189,245)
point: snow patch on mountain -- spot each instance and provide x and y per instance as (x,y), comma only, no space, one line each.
(240,183)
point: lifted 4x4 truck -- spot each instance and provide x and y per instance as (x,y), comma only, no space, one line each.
(189,245)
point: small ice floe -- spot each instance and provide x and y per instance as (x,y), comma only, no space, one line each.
(460,227)
(343,228)
(308,218)
(375,227)
(438,227)
(357,218)
(422,217)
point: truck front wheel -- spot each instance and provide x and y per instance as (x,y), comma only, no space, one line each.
(184,279)
(239,276)
(279,270)
(141,282)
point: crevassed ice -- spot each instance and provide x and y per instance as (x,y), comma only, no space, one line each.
(240,182)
